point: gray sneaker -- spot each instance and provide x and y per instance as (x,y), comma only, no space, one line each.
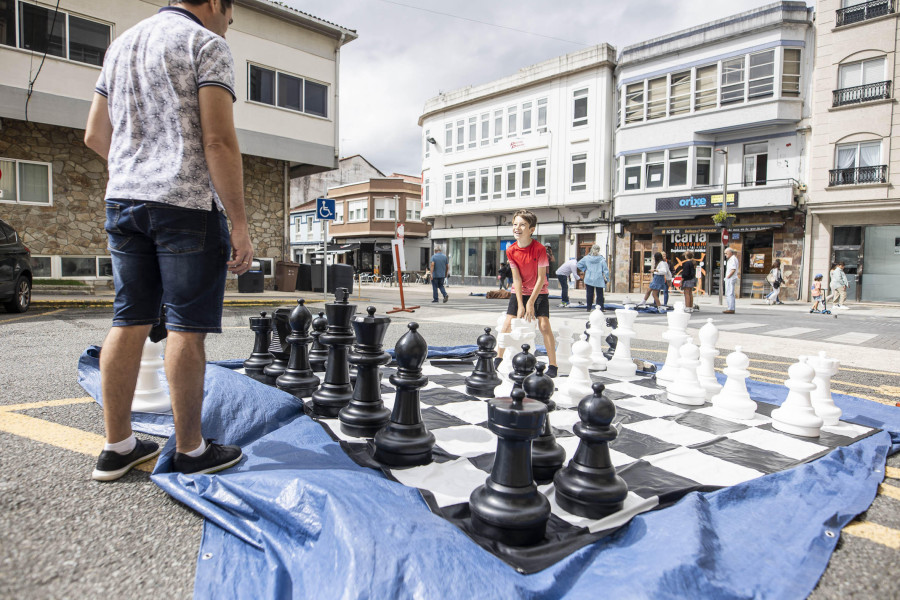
(447,297)
(111,465)
(215,458)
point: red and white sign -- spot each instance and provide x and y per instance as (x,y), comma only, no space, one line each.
(725,236)
(400,230)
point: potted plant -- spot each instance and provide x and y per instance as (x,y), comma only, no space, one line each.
(723,219)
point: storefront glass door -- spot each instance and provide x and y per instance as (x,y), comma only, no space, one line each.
(881,277)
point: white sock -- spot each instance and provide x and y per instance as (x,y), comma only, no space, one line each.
(198,451)
(123,447)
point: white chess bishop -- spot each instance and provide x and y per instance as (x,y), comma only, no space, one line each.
(822,401)
(734,400)
(796,415)
(622,364)
(706,372)
(149,394)
(676,335)
(598,333)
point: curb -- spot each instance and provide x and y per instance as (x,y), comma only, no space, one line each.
(89,303)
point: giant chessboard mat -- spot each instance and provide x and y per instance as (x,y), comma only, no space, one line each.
(663,451)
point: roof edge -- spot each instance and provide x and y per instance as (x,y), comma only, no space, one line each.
(283,11)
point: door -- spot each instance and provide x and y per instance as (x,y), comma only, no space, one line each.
(847,246)
(641,263)
(7,260)
(714,269)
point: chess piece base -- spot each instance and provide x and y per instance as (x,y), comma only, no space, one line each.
(512,516)
(363,421)
(590,492)
(397,445)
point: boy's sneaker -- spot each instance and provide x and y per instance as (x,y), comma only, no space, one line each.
(111,465)
(552,371)
(563,304)
(215,458)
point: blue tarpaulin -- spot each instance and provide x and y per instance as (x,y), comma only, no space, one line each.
(298,518)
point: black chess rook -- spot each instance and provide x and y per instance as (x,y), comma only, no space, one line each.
(279,347)
(336,392)
(366,413)
(509,508)
(547,456)
(484,379)
(404,441)
(260,358)
(318,354)
(298,378)
(523,365)
(589,486)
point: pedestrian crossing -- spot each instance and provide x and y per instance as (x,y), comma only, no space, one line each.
(852,338)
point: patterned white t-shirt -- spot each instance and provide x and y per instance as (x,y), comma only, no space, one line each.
(151,78)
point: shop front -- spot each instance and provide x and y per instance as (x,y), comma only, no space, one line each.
(871,257)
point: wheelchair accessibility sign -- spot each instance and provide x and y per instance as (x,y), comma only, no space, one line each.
(325,209)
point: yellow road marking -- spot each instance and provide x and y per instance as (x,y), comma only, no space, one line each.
(30,405)
(890,491)
(892,472)
(874,533)
(32,316)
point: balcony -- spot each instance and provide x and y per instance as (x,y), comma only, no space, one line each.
(862,93)
(863,12)
(857,176)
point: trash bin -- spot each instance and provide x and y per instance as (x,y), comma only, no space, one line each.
(286,275)
(253,281)
(304,278)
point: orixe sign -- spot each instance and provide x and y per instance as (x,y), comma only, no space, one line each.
(696,201)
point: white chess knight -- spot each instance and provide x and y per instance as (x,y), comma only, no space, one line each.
(734,401)
(676,335)
(822,401)
(686,388)
(622,364)
(578,384)
(597,333)
(521,332)
(149,394)
(706,372)
(796,415)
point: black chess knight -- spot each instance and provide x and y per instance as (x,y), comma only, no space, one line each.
(335,392)
(484,378)
(366,413)
(279,347)
(318,354)
(547,457)
(298,378)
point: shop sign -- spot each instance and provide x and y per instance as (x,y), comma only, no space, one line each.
(682,242)
(713,229)
(694,201)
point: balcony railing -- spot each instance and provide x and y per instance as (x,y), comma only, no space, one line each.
(859,175)
(864,11)
(861,93)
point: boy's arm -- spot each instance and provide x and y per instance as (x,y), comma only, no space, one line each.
(538,286)
(517,282)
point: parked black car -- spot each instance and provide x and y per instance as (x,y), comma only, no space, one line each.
(15,270)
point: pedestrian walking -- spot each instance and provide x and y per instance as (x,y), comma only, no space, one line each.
(440,269)
(776,280)
(505,274)
(569,269)
(669,277)
(731,279)
(596,276)
(688,280)
(838,284)
(658,283)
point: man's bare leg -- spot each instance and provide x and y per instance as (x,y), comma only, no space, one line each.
(185,370)
(120,361)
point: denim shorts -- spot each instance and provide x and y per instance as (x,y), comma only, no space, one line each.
(163,254)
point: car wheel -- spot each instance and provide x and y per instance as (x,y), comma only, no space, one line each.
(22,298)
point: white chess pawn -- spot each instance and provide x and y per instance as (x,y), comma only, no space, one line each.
(734,400)
(686,388)
(622,364)
(706,372)
(796,415)
(149,394)
(676,335)
(597,333)
(822,401)
(564,348)
(578,384)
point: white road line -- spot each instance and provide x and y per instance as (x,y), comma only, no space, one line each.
(737,326)
(791,331)
(852,337)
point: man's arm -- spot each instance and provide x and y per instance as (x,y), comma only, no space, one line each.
(223,157)
(432,267)
(98,133)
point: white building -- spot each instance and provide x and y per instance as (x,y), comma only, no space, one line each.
(306,233)
(732,91)
(540,139)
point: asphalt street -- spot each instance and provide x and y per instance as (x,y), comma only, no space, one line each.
(65,536)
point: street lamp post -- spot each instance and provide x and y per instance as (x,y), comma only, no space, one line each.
(723,151)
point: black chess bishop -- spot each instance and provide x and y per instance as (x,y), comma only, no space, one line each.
(298,378)
(523,365)
(484,379)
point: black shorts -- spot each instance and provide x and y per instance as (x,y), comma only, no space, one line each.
(541,305)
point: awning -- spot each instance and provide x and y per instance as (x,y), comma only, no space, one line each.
(745,228)
(337,248)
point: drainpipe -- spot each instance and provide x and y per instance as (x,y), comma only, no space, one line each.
(337,98)
(286,249)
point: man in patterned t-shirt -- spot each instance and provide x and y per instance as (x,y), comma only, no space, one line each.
(162,116)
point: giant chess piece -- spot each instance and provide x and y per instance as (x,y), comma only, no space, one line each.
(734,400)
(547,457)
(404,441)
(796,415)
(298,378)
(589,486)
(318,354)
(149,394)
(676,335)
(821,398)
(260,358)
(564,348)
(622,364)
(509,508)
(484,379)
(706,372)
(366,413)
(504,343)
(578,384)
(336,391)
(612,323)
(686,388)
(279,348)
(523,366)
(596,321)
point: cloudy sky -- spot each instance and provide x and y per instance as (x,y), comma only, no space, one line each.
(411,50)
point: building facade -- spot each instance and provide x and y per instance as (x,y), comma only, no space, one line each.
(307,188)
(306,233)
(854,206)
(540,139)
(726,101)
(52,186)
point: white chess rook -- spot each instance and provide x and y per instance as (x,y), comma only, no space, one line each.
(796,415)
(822,401)
(622,364)
(149,394)
(597,333)
(706,372)
(734,401)
(578,384)
(686,388)
(676,335)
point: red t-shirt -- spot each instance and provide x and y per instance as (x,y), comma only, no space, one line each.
(527,261)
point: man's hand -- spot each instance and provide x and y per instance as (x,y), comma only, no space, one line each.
(529,310)
(241,252)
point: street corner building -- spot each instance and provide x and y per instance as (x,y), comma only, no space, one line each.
(52,186)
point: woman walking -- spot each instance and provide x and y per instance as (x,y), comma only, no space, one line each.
(775,279)
(688,280)
(660,268)
(669,278)
(596,275)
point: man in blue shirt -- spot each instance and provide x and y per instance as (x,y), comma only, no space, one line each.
(439,271)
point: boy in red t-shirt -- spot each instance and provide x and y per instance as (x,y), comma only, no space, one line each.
(529,263)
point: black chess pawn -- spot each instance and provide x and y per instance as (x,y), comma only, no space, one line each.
(366,413)
(260,358)
(279,347)
(404,441)
(547,457)
(335,392)
(318,354)
(589,486)
(523,366)
(484,378)
(298,378)
(509,508)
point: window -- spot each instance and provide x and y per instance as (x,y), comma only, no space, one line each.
(275,88)
(473,132)
(315,98)
(526,118)
(448,189)
(459,188)
(705,87)
(448,137)
(580,107)
(338,213)
(41,266)
(8,23)
(540,178)
(498,125)
(756,159)
(680,93)
(510,181)
(790,72)
(656,98)
(858,163)
(862,73)
(413,209)
(511,121)
(470,186)
(655,168)
(762,75)
(485,129)
(88,40)
(427,144)
(634,102)
(262,85)
(525,179)
(618,107)
(78,266)
(460,135)
(542,115)
(579,172)
(55,32)
(427,191)
(309,225)
(385,209)
(25,182)
(358,210)
(498,182)
(633,172)
(290,90)
(732,80)
(483,184)
(678,166)
(297,223)
(704,166)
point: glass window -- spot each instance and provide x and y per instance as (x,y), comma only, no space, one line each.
(262,85)
(704,164)
(680,93)
(40,266)
(473,132)
(413,210)
(290,92)
(427,190)
(448,189)
(8,187)
(483,183)
(455,256)
(862,73)
(580,108)
(656,98)
(498,125)
(655,168)
(579,172)
(634,102)
(8,23)
(862,154)
(762,74)
(542,115)
(790,72)
(427,143)
(633,172)
(470,187)
(485,129)
(315,98)
(358,210)
(756,161)
(678,166)
(448,137)
(540,178)
(498,182)
(526,118)
(525,179)
(42,30)
(460,184)
(88,40)
(78,266)
(511,121)
(733,80)
(34,183)
(473,257)
(705,87)
(460,135)
(510,181)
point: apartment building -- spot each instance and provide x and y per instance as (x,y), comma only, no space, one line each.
(52,186)
(722,103)
(539,139)
(307,188)
(854,205)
